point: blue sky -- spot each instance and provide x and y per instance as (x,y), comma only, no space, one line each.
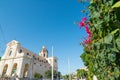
(35,23)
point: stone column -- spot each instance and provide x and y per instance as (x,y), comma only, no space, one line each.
(19,68)
(10,66)
(30,71)
(1,67)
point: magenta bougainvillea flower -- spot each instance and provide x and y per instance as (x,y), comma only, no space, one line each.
(82,24)
(85,24)
(84,19)
(87,41)
(87,30)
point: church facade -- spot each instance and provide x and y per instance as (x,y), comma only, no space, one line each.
(22,62)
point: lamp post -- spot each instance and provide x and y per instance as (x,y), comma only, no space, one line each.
(69,69)
(52,63)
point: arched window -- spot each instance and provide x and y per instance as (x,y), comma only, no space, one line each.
(10,53)
(44,54)
(20,51)
(14,69)
(25,74)
(27,53)
(5,70)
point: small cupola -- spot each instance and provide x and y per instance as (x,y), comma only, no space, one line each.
(44,52)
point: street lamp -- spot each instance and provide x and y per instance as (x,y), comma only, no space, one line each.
(52,63)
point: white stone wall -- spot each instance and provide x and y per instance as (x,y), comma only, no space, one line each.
(10,63)
(35,62)
(55,62)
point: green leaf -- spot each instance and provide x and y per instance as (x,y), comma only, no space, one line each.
(97,45)
(113,32)
(115,49)
(96,14)
(116,5)
(116,70)
(111,57)
(108,39)
(118,42)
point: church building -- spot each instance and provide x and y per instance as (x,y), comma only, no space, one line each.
(22,62)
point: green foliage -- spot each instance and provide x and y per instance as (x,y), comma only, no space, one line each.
(55,74)
(116,5)
(37,75)
(59,75)
(81,73)
(103,59)
(48,74)
(66,77)
(4,76)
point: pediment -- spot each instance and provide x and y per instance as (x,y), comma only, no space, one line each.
(13,42)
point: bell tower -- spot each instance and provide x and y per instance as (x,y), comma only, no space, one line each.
(44,52)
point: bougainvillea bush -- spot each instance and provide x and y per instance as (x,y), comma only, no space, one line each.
(102,46)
